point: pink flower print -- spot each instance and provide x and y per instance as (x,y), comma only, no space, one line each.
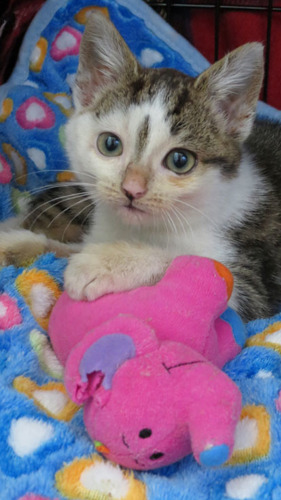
(278,402)
(66,43)
(9,312)
(34,113)
(32,496)
(5,171)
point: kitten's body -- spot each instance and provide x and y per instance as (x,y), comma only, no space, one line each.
(238,223)
(257,241)
(225,206)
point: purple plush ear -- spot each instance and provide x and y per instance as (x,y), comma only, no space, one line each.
(94,361)
(100,362)
(105,356)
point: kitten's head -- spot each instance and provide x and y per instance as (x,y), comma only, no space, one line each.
(150,142)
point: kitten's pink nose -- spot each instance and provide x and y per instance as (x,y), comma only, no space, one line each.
(134,185)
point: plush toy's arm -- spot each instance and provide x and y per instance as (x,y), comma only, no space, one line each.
(213,408)
(203,284)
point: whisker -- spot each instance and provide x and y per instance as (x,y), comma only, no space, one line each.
(85,218)
(167,229)
(73,218)
(154,222)
(182,217)
(162,213)
(51,204)
(173,226)
(88,174)
(56,185)
(65,210)
(196,210)
(178,218)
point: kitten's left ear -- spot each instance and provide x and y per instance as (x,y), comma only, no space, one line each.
(104,60)
(232,87)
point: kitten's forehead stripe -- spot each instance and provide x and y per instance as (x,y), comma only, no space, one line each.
(177,103)
(143,135)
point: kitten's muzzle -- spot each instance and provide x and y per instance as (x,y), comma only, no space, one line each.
(134,184)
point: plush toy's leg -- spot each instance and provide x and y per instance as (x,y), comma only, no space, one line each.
(231,336)
(237,325)
(213,412)
(214,456)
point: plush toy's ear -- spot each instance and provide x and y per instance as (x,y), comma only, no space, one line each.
(93,362)
(98,365)
(202,283)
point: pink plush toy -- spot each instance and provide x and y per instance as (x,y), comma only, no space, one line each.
(147,366)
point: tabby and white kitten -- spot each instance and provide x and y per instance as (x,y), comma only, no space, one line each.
(174,165)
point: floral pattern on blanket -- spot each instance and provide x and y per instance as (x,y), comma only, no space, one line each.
(44,448)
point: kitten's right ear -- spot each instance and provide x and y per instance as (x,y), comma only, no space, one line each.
(104,59)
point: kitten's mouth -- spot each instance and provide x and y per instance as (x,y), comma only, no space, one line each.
(132,208)
(131,213)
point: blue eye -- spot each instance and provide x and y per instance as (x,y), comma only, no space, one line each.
(109,144)
(180,161)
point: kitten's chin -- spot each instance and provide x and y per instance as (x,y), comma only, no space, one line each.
(132,215)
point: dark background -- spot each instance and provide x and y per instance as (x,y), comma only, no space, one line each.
(214,27)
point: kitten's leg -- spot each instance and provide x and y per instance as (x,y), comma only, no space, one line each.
(104,268)
(19,246)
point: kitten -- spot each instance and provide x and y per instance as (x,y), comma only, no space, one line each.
(174,165)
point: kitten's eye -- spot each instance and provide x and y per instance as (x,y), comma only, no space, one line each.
(180,161)
(109,144)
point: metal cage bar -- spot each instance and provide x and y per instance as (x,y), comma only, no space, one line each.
(169,6)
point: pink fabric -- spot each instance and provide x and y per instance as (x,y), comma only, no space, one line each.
(185,306)
(40,116)
(5,171)
(66,43)
(31,496)
(9,312)
(171,383)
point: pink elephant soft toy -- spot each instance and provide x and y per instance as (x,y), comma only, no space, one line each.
(147,363)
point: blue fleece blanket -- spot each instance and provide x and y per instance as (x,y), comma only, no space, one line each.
(45,453)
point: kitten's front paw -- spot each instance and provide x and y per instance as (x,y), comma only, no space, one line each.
(87,277)
(105,268)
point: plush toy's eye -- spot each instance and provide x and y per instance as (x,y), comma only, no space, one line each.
(109,144)
(180,161)
(145,433)
(156,456)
